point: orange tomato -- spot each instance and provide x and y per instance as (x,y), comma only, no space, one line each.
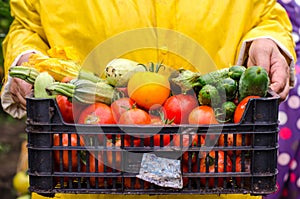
(148,89)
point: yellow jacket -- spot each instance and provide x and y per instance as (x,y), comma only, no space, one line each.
(180,33)
(195,34)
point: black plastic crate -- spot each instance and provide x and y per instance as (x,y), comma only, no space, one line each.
(51,171)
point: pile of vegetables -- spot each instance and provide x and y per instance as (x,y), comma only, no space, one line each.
(137,94)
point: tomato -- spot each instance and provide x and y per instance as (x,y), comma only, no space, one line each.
(187,141)
(178,107)
(240,109)
(114,159)
(210,159)
(148,89)
(66,79)
(100,169)
(239,167)
(156,121)
(234,140)
(70,110)
(120,106)
(135,183)
(185,180)
(65,154)
(165,139)
(97,113)
(135,116)
(202,115)
(66,108)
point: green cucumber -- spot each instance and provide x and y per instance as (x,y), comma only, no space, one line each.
(254,81)
(228,109)
(235,72)
(213,77)
(228,87)
(209,95)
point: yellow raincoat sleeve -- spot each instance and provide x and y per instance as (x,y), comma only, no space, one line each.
(275,25)
(25,35)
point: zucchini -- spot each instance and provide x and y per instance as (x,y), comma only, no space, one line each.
(25,73)
(84,91)
(43,80)
(118,71)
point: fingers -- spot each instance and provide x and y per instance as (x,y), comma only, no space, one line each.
(19,89)
(265,53)
(260,53)
(20,100)
(283,93)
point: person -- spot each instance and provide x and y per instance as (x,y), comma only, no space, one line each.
(257,31)
(288,178)
(250,32)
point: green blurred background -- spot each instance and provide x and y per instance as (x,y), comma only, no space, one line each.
(5,20)
(12,132)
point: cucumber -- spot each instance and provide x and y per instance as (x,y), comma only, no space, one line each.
(42,81)
(213,77)
(228,87)
(209,95)
(254,81)
(228,109)
(235,72)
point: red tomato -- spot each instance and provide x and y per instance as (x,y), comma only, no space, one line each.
(239,165)
(155,120)
(135,116)
(239,111)
(120,106)
(66,108)
(187,141)
(97,113)
(210,159)
(178,107)
(230,142)
(65,154)
(135,183)
(202,115)
(100,169)
(114,159)
(135,142)
(166,139)
(66,79)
